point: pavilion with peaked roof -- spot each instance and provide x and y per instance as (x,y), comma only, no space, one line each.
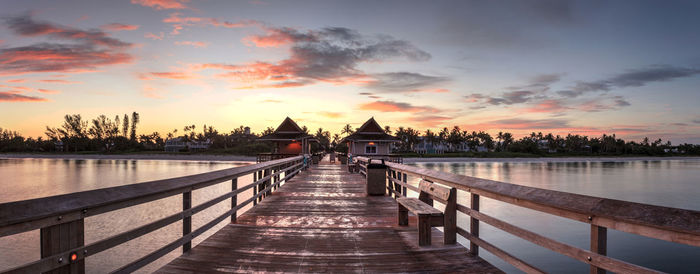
(369,139)
(289,138)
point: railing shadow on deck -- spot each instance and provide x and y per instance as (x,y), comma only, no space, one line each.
(664,223)
(61,218)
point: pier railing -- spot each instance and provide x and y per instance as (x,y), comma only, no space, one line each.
(264,157)
(664,223)
(61,218)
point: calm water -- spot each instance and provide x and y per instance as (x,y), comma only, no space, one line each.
(33,178)
(674,183)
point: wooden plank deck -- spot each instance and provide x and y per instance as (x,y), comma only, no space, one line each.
(321,221)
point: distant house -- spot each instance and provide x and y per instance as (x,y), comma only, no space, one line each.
(544,145)
(179,144)
(58,145)
(199,145)
(175,144)
(369,139)
(289,138)
(424,146)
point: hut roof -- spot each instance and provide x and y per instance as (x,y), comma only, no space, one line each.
(288,130)
(370,131)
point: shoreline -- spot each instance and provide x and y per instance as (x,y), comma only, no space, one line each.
(194,157)
(545,159)
(408,160)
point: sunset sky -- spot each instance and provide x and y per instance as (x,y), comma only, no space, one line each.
(583,67)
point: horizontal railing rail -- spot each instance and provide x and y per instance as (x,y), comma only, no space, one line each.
(57,214)
(264,157)
(664,223)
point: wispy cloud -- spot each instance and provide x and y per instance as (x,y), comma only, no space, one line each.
(196,44)
(59,81)
(14,97)
(406,82)
(152,36)
(631,78)
(162,4)
(119,27)
(94,49)
(179,22)
(329,55)
(391,106)
(330,114)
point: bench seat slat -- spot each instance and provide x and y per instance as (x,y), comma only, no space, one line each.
(418,207)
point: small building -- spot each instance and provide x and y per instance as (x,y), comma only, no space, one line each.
(370,139)
(430,147)
(289,138)
(175,144)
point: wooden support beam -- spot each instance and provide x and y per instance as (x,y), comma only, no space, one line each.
(234,199)
(474,225)
(599,244)
(187,221)
(405,180)
(60,238)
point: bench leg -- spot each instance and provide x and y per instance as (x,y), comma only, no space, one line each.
(403,215)
(424,230)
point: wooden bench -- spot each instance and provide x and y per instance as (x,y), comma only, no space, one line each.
(428,216)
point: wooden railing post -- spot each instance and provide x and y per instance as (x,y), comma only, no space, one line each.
(255,188)
(405,181)
(234,199)
(187,221)
(599,244)
(267,182)
(61,237)
(474,225)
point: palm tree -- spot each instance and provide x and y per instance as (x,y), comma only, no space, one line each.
(387,129)
(134,121)
(347,129)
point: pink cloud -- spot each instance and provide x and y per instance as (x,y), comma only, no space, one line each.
(391,106)
(59,81)
(153,36)
(195,44)
(90,49)
(179,22)
(15,81)
(162,4)
(119,27)
(14,97)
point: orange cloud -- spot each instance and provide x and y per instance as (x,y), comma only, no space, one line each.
(547,106)
(330,114)
(119,27)
(60,81)
(171,75)
(14,97)
(15,81)
(178,22)
(162,4)
(391,106)
(49,91)
(195,44)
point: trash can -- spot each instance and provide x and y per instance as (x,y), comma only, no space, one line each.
(376,177)
(315,159)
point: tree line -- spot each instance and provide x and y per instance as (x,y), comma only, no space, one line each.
(103,134)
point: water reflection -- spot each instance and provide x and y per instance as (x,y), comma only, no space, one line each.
(671,183)
(34,178)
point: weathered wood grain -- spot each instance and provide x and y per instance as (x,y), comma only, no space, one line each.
(322,221)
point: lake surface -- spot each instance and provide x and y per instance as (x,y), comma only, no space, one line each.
(673,183)
(34,178)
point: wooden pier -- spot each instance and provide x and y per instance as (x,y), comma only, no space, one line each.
(322,221)
(318,218)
